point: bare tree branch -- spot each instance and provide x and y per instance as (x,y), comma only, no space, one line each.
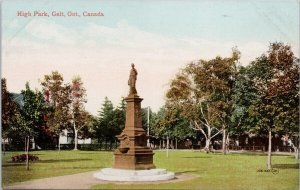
(217,133)
(199,128)
(201,109)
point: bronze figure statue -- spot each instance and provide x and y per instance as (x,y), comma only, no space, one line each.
(132,80)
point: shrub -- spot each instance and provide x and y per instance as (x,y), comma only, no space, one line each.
(22,158)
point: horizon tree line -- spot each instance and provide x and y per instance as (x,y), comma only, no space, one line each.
(207,99)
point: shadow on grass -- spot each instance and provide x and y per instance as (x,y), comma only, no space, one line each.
(252,154)
(13,164)
(63,160)
(257,154)
(197,157)
(83,167)
(286,166)
(94,151)
(43,161)
(187,171)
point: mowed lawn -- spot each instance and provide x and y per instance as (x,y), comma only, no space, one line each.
(212,171)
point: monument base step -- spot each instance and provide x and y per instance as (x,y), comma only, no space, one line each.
(112,174)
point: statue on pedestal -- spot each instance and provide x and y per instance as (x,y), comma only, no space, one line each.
(132,80)
(133,160)
(133,152)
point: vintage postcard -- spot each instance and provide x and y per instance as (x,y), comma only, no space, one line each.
(162,94)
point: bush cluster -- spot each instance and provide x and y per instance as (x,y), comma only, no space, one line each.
(22,158)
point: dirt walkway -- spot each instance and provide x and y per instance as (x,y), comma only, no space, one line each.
(80,181)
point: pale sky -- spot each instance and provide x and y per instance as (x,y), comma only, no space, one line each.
(158,36)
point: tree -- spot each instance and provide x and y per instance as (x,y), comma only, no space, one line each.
(284,90)
(120,116)
(202,91)
(276,81)
(32,115)
(81,118)
(58,97)
(244,93)
(6,112)
(169,122)
(34,109)
(110,121)
(9,113)
(107,127)
(21,123)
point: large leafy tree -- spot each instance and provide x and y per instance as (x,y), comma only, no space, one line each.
(168,122)
(81,118)
(8,109)
(33,110)
(23,121)
(32,115)
(244,93)
(58,97)
(10,113)
(202,91)
(276,81)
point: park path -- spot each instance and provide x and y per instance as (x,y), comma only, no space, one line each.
(74,181)
(80,181)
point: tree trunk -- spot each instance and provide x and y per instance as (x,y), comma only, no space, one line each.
(3,147)
(269,164)
(159,143)
(25,148)
(167,146)
(207,140)
(296,153)
(27,151)
(227,143)
(296,150)
(224,142)
(33,143)
(75,138)
(59,142)
(176,144)
(207,144)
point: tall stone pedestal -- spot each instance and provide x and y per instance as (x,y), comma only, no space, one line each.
(133,160)
(133,153)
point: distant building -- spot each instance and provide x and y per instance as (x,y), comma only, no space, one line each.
(66,137)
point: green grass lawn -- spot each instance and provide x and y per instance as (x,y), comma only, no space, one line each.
(53,163)
(213,171)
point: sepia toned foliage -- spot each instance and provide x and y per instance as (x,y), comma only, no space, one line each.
(9,109)
(202,92)
(81,118)
(276,81)
(58,98)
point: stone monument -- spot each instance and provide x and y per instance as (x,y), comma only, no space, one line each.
(133,160)
(133,152)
